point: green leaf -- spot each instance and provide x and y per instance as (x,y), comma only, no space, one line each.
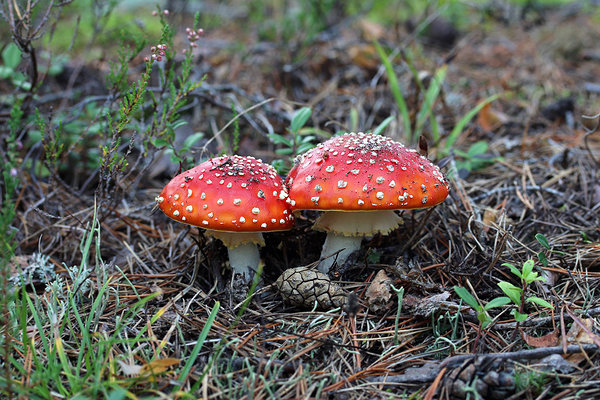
(477,148)
(519,317)
(192,139)
(539,302)
(300,118)
(513,292)
(278,139)
(11,56)
(497,302)
(514,270)
(467,297)
(527,268)
(542,240)
(543,259)
(379,128)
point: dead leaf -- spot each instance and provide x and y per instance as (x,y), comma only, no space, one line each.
(489,119)
(159,366)
(378,293)
(371,30)
(548,340)
(580,333)
(365,56)
(154,367)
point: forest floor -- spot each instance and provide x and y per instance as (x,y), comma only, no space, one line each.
(135,301)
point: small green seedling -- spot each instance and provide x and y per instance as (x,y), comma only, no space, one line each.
(546,245)
(482,311)
(475,158)
(298,144)
(11,58)
(517,294)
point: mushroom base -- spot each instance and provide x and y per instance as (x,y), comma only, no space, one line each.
(244,259)
(340,244)
(242,249)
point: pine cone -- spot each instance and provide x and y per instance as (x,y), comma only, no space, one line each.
(303,287)
(491,379)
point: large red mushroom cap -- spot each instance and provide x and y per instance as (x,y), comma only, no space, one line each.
(367,174)
(228,193)
(360,172)
(235,199)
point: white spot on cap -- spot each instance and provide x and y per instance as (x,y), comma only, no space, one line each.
(208,181)
(282,221)
(330,168)
(183,218)
(315,199)
(392,184)
(189,192)
(220,201)
(189,208)
(203,196)
(255,210)
(340,200)
(355,171)
(229,184)
(204,222)
(210,214)
(263,225)
(361,203)
(390,168)
(237,202)
(380,179)
(424,200)
(182,185)
(242,220)
(176,212)
(261,194)
(308,178)
(379,195)
(365,188)
(176,197)
(342,184)
(318,188)
(159,199)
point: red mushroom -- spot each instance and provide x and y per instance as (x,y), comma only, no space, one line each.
(359,180)
(235,199)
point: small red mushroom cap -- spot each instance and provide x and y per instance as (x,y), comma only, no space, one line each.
(361,172)
(228,193)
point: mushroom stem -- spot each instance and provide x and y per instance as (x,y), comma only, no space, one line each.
(242,248)
(244,260)
(340,244)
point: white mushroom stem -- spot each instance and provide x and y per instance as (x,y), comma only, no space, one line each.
(346,229)
(244,260)
(340,244)
(242,248)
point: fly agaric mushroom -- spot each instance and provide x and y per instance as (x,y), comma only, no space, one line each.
(359,180)
(235,199)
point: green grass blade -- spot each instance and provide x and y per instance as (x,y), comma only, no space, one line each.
(458,128)
(395,88)
(430,97)
(196,350)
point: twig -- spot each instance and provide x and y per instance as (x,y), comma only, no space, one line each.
(529,354)
(512,188)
